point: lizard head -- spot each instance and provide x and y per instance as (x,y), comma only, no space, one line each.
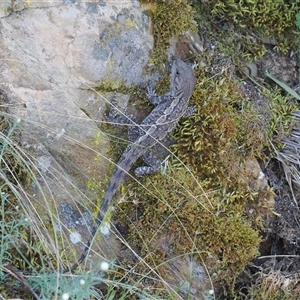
(182,79)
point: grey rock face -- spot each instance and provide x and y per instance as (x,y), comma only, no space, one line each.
(53,55)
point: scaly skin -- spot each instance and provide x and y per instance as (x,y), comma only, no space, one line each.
(154,128)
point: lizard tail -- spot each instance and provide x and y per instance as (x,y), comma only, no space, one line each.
(128,158)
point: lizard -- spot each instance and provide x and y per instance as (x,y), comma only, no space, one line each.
(169,108)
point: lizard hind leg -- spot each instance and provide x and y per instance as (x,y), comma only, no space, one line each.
(130,121)
(153,165)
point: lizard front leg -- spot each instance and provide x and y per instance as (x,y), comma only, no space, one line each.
(130,120)
(155,100)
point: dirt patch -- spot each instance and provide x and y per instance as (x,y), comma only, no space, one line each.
(277,268)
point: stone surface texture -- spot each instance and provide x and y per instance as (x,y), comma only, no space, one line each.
(53,56)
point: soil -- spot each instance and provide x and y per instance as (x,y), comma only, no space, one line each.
(280,248)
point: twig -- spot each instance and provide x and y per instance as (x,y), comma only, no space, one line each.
(19,276)
(276,256)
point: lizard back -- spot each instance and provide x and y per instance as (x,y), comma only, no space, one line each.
(153,129)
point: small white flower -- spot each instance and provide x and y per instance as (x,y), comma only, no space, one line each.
(286,282)
(211,292)
(104,266)
(104,228)
(65,296)
(18,120)
(75,237)
(82,282)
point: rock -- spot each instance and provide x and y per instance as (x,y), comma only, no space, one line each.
(53,57)
(189,275)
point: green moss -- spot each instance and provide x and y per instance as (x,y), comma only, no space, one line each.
(194,219)
(226,130)
(203,208)
(273,18)
(169,19)
(97,187)
(204,216)
(221,133)
(247,25)
(137,94)
(108,85)
(281,109)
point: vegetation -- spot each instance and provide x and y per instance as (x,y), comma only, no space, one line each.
(205,199)
(204,205)
(249,25)
(169,18)
(195,222)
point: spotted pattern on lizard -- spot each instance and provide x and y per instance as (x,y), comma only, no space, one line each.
(169,108)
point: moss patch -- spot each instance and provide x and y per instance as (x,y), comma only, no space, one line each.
(244,26)
(210,207)
(169,18)
(198,219)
